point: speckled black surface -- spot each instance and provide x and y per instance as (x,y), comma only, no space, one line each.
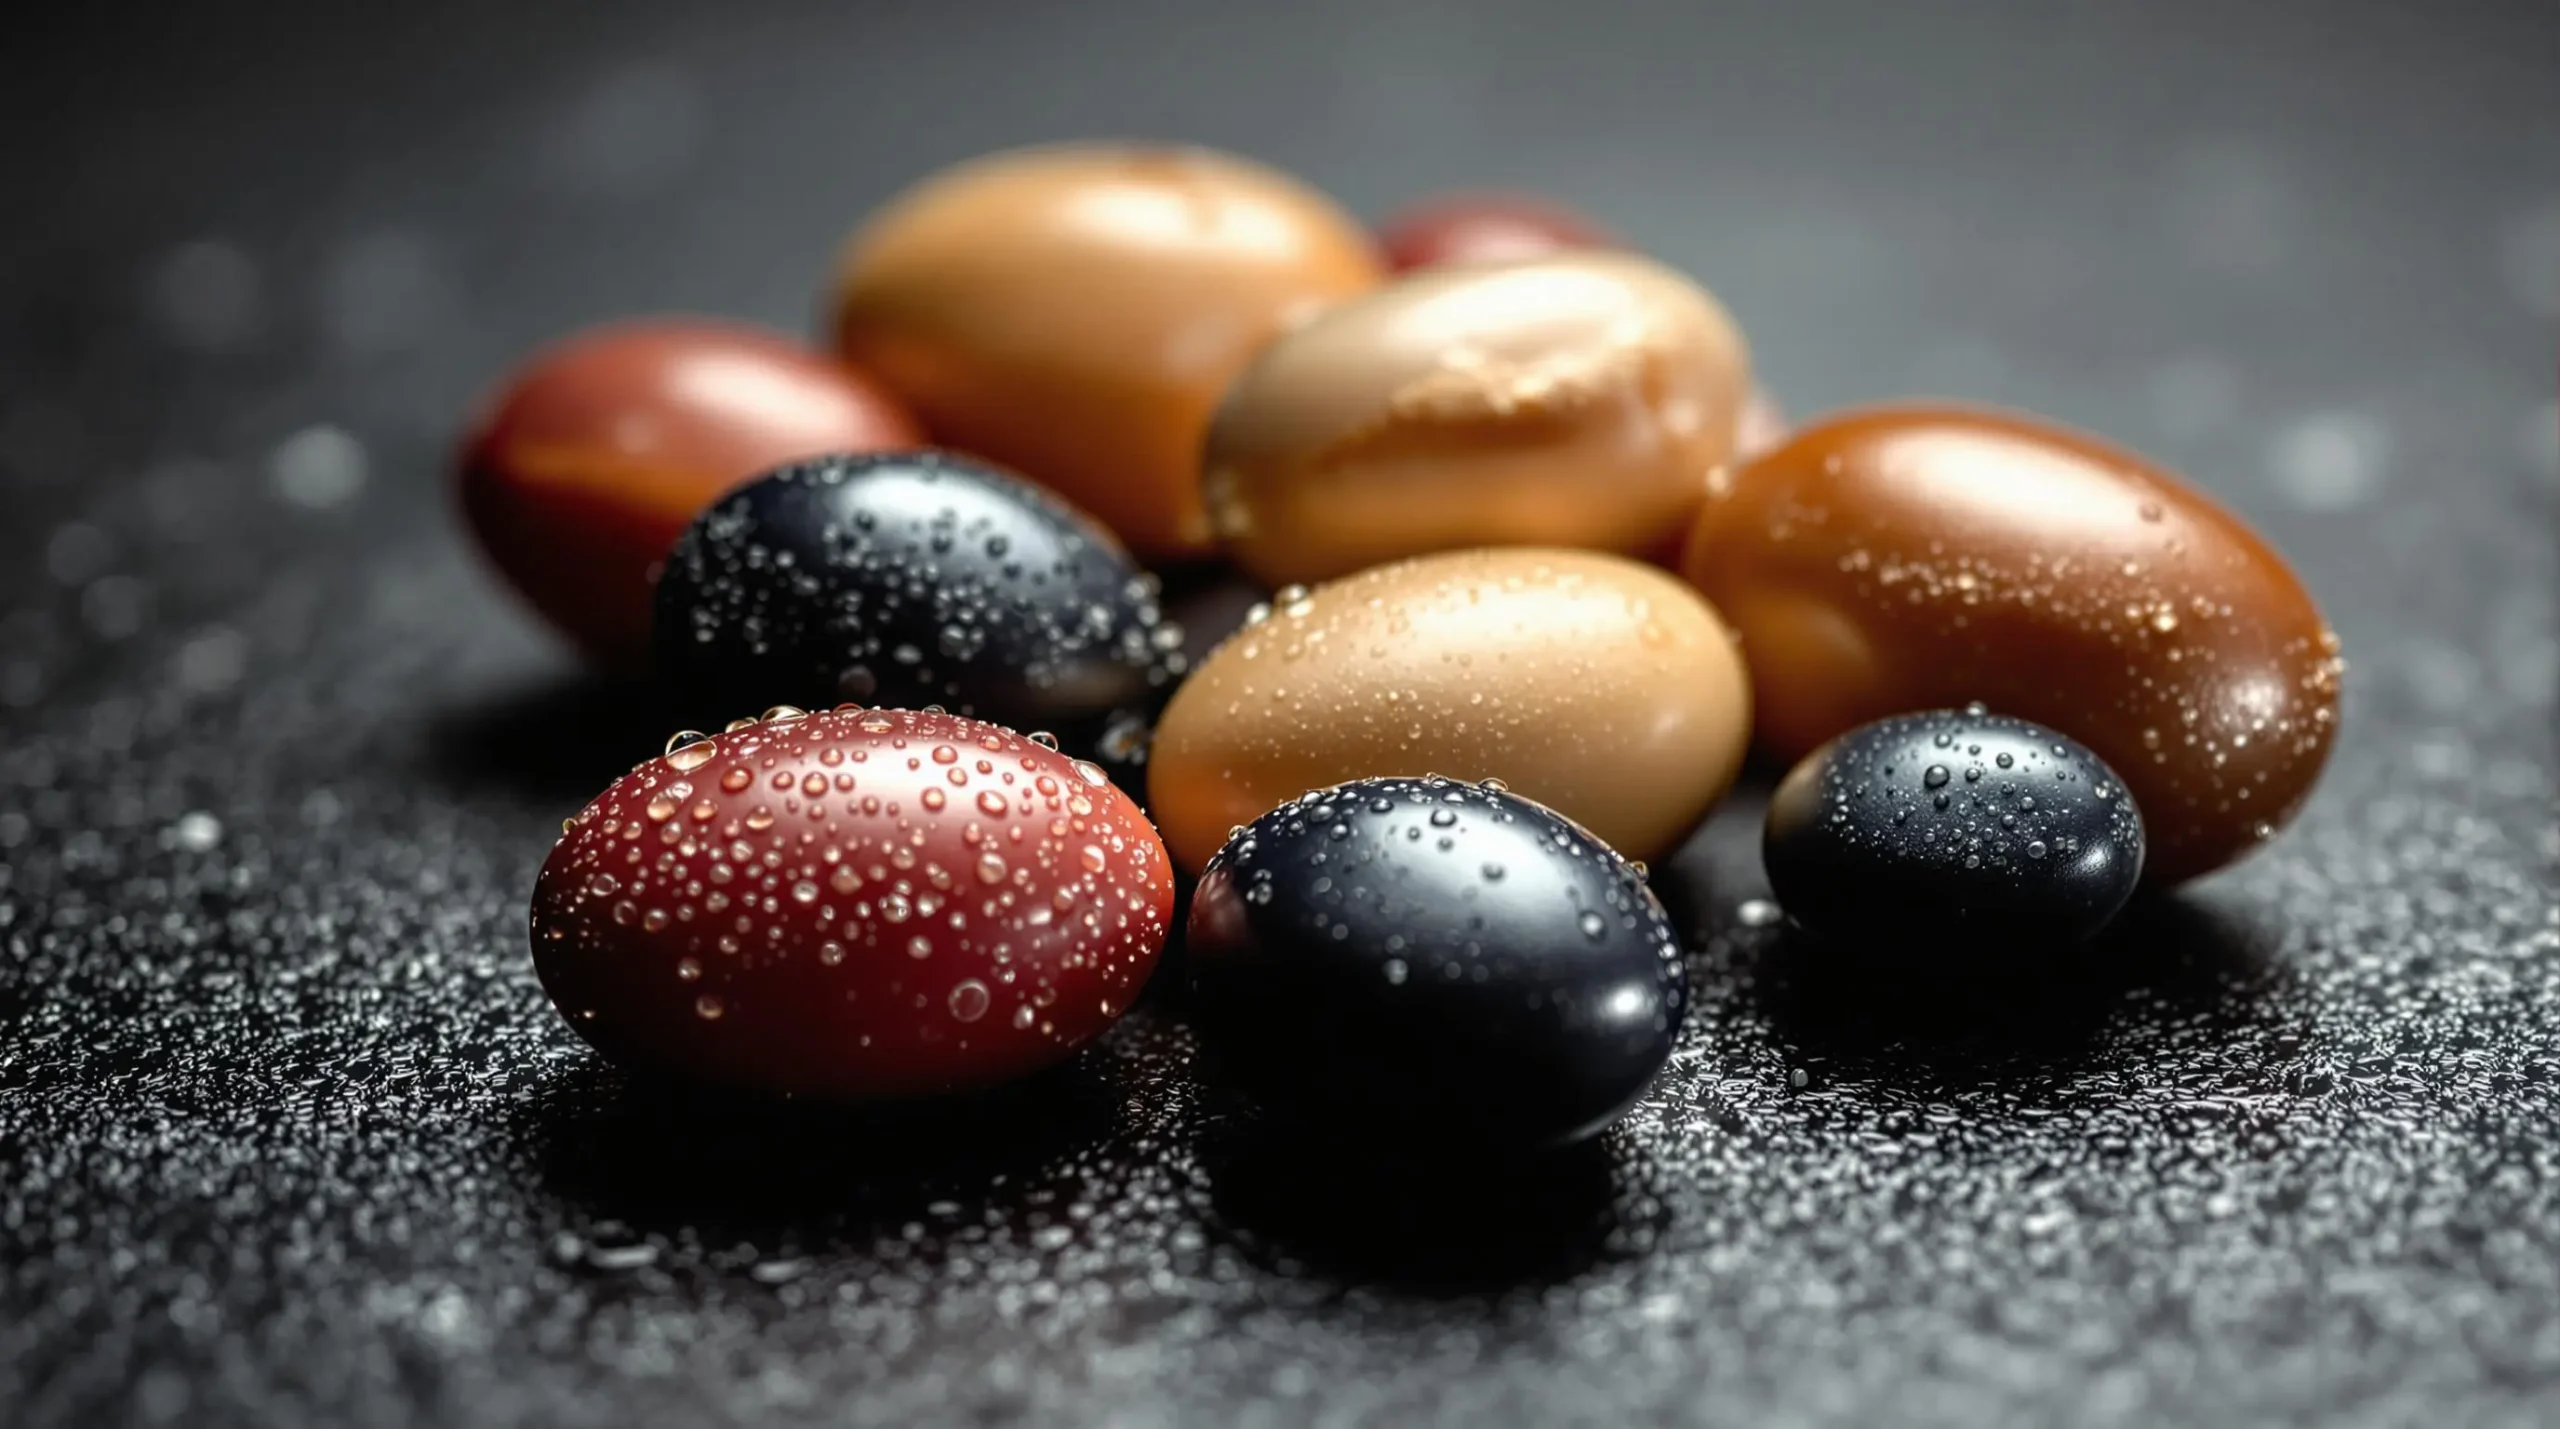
(288,1135)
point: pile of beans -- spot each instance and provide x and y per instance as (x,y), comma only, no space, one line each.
(1533,564)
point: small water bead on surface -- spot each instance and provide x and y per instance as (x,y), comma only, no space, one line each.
(771,925)
(686,757)
(1375,987)
(1966,876)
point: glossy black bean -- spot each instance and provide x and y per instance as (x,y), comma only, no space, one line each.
(1952,829)
(909,579)
(1430,960)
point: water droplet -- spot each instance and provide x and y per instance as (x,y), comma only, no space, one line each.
(708,1008)
(1091,774)
(1593,926)
(804,892)
(784,714)
(688,970)
(1935,777)
(1493,873)
(655,921)
(919,947)
(895,908)
(603,885)
(737,779)
(1395,971)
(932,800)
(992,804)
(661,809)
(1758,913)
(831,954)
(1093,858)
(969,1000)
(1443,818)
(197,831)
(990,868)
(2036,848)
(690,750)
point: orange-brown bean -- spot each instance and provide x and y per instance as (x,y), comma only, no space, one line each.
(1577,399)
(1600,687)
(1073,312)
(1908,557)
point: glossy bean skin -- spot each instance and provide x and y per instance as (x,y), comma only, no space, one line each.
(1952,833)
(595,455)
(854,905)
(1423,960)
(1480,227)
(911,579)
(1573,400)
(1892,559)
(1073,312)
(1598,686)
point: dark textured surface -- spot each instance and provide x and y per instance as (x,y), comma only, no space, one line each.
(288,1135)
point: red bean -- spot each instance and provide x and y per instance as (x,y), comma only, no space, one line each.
(854,905)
